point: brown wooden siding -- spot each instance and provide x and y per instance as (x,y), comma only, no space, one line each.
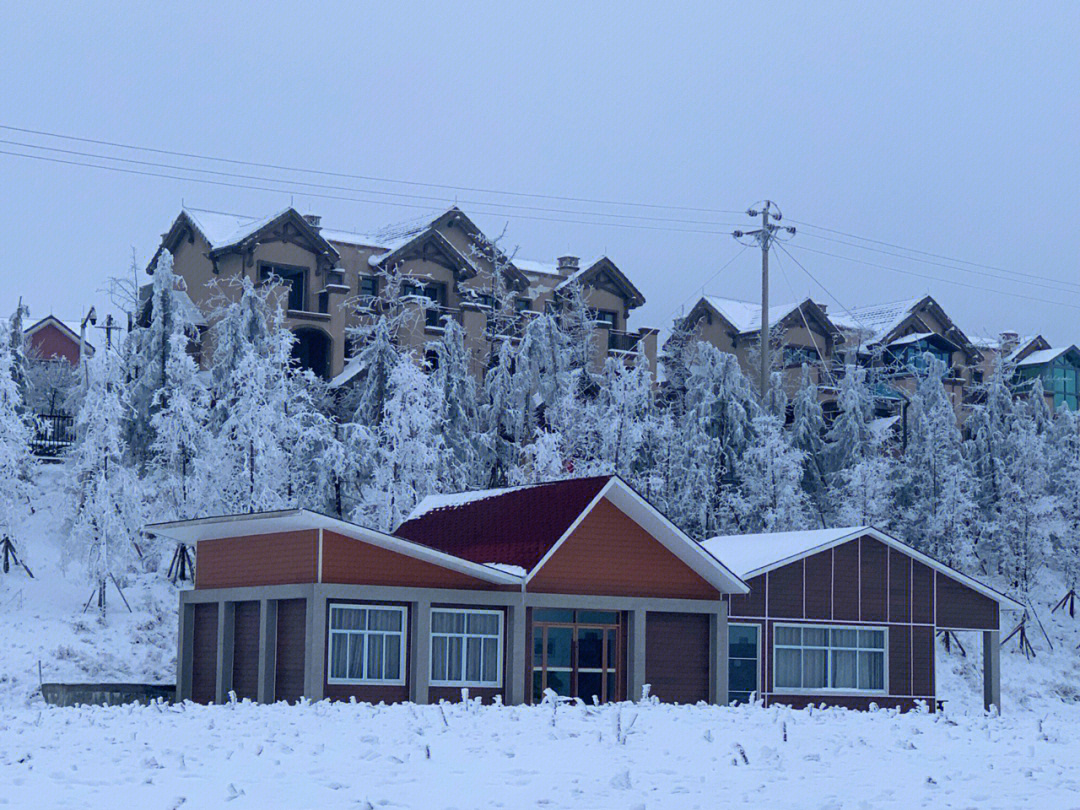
(749,604)
(204,652)
(354,562)
(291,636)
(264,559)
(245,674)
(861,703)
(922,593)
(922,661)
(846,581)
(819,585)
(899,586)
(900,659)
(785,591)
(873,567)
(677,656)
(609,554)
(959,607)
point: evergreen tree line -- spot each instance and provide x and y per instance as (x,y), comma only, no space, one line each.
(160,439)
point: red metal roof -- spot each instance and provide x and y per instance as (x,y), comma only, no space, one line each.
(516,527)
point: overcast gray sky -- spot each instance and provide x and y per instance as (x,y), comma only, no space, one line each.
(949,128)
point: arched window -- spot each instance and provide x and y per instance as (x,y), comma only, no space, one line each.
(312,350)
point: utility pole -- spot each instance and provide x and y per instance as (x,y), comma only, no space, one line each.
(764,237)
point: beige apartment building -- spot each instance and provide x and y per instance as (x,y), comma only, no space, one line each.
(331,279)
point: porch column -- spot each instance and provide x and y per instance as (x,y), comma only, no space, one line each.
(419,641)
(516,654)
(636,654)
(267,649)
(992,669)
(718,656)
(315,654)
(225,632)
(185,637)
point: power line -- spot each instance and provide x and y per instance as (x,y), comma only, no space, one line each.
(809,331)
(1061,284)
(709,280)
(286,190)
(937,278)
(173,167)
(370,178)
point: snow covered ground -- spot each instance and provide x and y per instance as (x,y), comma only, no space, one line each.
(469,756)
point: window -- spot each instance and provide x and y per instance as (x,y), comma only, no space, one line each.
(466,647)
(742,662)
(798,355)
(816,659)
(369,286)
(1062,381)
(292,278)
(522,305)
(605,318)
(435,293)
(367,644)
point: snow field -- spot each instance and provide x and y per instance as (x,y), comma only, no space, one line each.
(465,755)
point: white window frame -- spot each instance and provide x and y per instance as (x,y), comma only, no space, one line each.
(464,636)
(757,660)
(404,633)
(822,690)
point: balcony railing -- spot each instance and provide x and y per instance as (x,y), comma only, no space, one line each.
(622,343)
(435,317)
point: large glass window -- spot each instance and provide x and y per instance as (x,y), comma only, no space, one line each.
(466,647)
(292,278)
(1062,381)
(576,653)
(816,659)
(742,662)
(367,644)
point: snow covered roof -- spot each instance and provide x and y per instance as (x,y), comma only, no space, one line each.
(874,322)
(455,499)
(70,328)
(1038,358)
(750,555)
(745,316)
(222,230)
(530,266)
(353,238)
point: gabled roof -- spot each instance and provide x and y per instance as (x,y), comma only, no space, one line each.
(525,526)
(750,555)
(69,330)
(603,265)
(882,323)
(1044,356)
(745,316)
(289,520)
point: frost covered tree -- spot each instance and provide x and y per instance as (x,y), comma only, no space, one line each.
(850,439)
(459,466)
(16,457)
(502,417)
(807,435)
(1064,458)
(179,462)
(252,392)
(770,471)
(106,495)
(935,484)
(409,444)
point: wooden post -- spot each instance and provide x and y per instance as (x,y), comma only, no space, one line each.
(992,669)
(636,679)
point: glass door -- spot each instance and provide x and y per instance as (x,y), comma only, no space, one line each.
(576,654)
(743,667)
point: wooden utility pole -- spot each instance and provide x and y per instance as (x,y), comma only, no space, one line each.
(765,236)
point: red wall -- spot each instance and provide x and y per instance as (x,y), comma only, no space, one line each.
(49,342)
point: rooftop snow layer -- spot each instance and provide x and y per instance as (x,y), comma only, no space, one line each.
(222,230)
(1043,356)
(746,315)
(745,553)
(874,322)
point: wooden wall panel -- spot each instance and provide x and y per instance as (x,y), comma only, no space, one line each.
(264,559)
(353,562)
(749,604)
(874,588)
(291,637)
(785,591)
(846,581)
(819,586)
(245,674)
(899,659)
(677,656)
(958,606)
(204,652)
(899,586)
(904,704)
(922,661)
(922,593)
(608,554)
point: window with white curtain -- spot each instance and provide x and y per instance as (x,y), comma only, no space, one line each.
(466,647)
(367,644)
(816,658)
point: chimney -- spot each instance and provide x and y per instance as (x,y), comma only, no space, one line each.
(314,220)
(1007,341)
(568,265)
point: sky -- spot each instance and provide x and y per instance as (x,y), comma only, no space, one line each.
(952,129)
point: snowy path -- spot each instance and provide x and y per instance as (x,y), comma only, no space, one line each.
(359,756)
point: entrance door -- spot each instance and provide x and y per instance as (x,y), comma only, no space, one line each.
(743,668)
(576,653)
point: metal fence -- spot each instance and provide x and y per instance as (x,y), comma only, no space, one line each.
(53,434)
